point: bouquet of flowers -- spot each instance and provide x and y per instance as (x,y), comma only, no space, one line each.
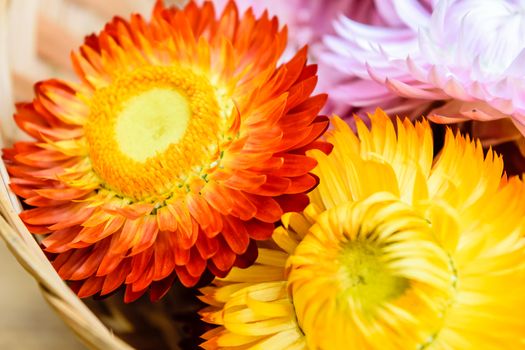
(299,174)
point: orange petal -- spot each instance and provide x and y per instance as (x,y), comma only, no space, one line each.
(206,246)
(58,241)
(268,210)
(160,288)
(91,286)
(295,165)
(217,198)
(243,207)
(302,184)
(196,264)
(224,258)
(164,257)
(259,230)
(139,264)
(75,218)
(130,295)
(145,279)
(91,264)
(148,231)
(274,186)
(186,279)
(63,194)
(116,278)
(165,219)
(75,261)
(235,234)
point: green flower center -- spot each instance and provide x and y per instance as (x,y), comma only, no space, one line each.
(365,277)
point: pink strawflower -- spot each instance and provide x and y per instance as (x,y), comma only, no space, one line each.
(357,44)
(468,53)
(309,20)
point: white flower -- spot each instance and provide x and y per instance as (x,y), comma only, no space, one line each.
(468,53)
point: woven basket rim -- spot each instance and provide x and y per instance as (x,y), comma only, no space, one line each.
(22,244)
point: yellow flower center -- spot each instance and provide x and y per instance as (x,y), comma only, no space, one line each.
(365,277)
(153,130)
(141,138)
(370,267)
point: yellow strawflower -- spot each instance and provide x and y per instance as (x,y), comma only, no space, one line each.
(397,250)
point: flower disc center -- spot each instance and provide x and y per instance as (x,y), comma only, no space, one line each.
(150,122)
(365,277)
(153,131)
(366,263)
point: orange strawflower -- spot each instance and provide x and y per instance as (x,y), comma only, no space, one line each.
(182,145)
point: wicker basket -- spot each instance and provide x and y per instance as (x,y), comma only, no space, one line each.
(36,37)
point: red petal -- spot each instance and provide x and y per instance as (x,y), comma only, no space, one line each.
(91,286)
(301,92)
(293,202)
(274,186)
(324,147)
(199,209)
(245,180)
(63,194)
(180,254)
(110,262)
(39,201)
(139,264)
(148,234)
(187,228)
(164,257)
(38,230)
(42,159)
(131,295)
(299,99)
(318,128)
(218,272)
(49,216)
(124,239)
(259,230)
(295,165)
(74,262)
(235,234)
(22,191)
(61,259)
(145,279)
(300,119)
(186,279)
(116,278)
(160,288)
(58,241)
(303,183)
(206,246)
(196,265)
(243,208)
(97,233)
(75,218)
(91,264)
(224,258)
(268,210)
(215,196)
(248,258)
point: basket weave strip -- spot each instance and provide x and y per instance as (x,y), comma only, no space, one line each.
(68,306)
(20,242)
(35,45)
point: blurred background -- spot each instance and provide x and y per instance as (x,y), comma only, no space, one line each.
(36,38)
